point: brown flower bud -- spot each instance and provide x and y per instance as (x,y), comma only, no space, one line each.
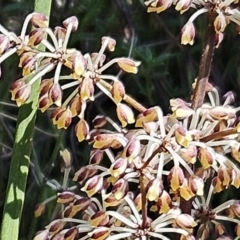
(132,150)
(82,130)
(43,235)
(120,188)
(196,185)
(99,121)
(118,91)
(86,89)
(185,222)
(60,32)
(71,234)
(111,43)
(188,34)
(158,5)
(35,37)
(93,185)
(151,114)
(65,197)
(83,173)
(182,136)
(21,94)
(71,21)
(128,65)
(220,22)
(100,233)
(96,157)
(55,94)
(62,117)
(154,189)
(99,218)
(207,157)
(39,20)
(39,210)
(111,201)
(164,202)
(183,5)
(103,141)
(79,65)
(4,43)
(189,154)
(81,204)
(77,106)
(118,167)
(125,114)
(55,226)
(176,177)
(44,103)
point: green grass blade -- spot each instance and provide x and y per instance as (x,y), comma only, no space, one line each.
(19,169)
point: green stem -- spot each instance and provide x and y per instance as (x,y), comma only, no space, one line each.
(19,168)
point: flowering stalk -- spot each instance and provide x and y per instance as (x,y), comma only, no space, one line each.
(205,63)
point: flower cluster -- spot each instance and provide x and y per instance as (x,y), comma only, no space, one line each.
(223,13)
(137,194)
(85,72)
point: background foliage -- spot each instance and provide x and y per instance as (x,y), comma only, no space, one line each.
(167,71)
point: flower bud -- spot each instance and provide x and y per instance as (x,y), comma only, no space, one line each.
(67,158)
(188,34)
(99,233)
(62,117)
(176,177)
(220,23)
(65,197)
(71,22)
(35,37)
(164,202)
(60,32)
(44,103)
(99,218)
(111,201)
(96,157)
(82,130)
(93,185)
(183,112)
(55,94)
(111,43)
(189,154)
(154,189)
(4,43)
(43,235)
(39,20)
(120,188)
(183,5)
(128,65)
(158,5)
(81,204)
(99,121)
(79,65)
(102,58)
(125,114)
(118,167)
(207,157)
(83,173)
(39,210)
(77,106)
(71,234)
(22,94)
(132,150)
(55,226)
(118,91)
(185,222)
(182,136)
(86,90)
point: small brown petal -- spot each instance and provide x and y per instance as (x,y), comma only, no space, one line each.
(120,189)
(176,177)
(22,94)
(71,234)
(189,154)
(96,157)
(99,121)
(182,136)
(62,117)
(132,150)
(207,157)
(111,201)
(77,106)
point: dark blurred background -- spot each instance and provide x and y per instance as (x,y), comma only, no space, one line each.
(167,71)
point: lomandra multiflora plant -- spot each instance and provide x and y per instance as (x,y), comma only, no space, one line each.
(155,181)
